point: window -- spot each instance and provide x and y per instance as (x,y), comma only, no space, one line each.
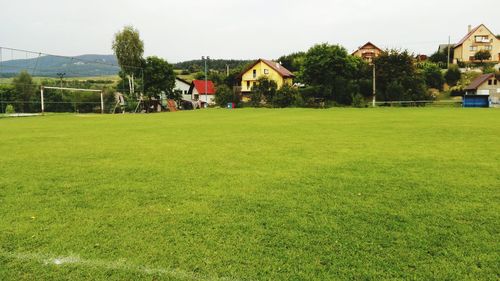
(248,84)
(473,48)
(490,82)
(255,73)
(496,82)
(482,39)
(488,48)
(266,71)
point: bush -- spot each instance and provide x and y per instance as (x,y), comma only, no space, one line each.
(457,92)
(358,101)
(9,109)
(225,95)
(285,96)
(452,75)
(433,76)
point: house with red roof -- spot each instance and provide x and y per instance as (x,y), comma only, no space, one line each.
(477,39)
(203,91)
(264,68)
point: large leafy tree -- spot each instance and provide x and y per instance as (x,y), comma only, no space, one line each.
(332,72)
(25,89)
(159,77)
(293,62)
(129,49)
(398,78)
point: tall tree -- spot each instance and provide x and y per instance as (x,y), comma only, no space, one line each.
(129,49)
(25,88)
(397,77)
(293,62)
(159,77)
(331,71)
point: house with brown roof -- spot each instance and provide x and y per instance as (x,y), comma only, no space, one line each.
(485,89)
(477,39)
(264,68)
(367,52)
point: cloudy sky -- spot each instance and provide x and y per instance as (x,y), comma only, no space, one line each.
(188,29)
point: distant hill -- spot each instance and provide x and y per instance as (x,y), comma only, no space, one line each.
(97,65)
(49,66)
(216,64)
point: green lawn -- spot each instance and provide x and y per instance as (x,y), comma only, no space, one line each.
(252,194)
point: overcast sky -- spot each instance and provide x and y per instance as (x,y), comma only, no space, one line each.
(188,29)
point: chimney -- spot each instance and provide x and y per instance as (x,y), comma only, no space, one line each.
(469,28)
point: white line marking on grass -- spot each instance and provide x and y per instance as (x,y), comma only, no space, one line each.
(119,265)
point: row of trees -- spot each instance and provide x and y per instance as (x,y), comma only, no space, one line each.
(333,76)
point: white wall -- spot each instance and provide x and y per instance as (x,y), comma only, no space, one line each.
(184,88)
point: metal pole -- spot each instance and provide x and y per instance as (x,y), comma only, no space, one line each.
(448,58)
(41,99)
(102,104)
(206,81)
(374,86)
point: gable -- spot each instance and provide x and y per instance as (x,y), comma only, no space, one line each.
(477,31)
(262,65)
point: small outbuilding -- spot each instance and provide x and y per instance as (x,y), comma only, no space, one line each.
(484,91)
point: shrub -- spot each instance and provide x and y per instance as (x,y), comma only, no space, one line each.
(358,101)
(9,109)
(285,96)
(457,92)
(452,75)
(225,95)
(433,76)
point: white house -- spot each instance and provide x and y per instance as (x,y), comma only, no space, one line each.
(183,86)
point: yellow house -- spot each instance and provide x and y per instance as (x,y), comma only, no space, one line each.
(265,68)
(367,52)
(477,39)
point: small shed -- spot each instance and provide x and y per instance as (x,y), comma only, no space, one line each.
(484,91)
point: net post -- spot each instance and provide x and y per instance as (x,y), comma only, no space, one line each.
(41,100)
(102,104)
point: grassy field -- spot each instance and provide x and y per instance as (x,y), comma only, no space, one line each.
(252,194)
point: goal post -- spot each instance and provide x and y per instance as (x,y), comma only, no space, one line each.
(42,88)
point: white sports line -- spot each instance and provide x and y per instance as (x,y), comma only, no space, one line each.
(120,265)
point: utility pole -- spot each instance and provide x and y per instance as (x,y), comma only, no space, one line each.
(206,78)
(448,57)
(374,85)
